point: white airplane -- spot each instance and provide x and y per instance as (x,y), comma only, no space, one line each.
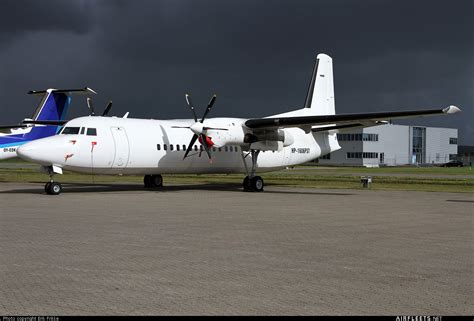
(111,145)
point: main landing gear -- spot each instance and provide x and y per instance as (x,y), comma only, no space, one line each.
(153,181)
(252,183)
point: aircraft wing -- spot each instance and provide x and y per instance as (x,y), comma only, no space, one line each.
(343,120)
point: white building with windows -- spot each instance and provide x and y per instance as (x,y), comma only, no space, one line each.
(392,145)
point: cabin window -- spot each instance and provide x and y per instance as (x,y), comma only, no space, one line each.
(226,149)
(171,146)
(195,148)
(165,147)
(158,146)
(91,132)
(70,131)
(82,130)
(201,148)
(177,148)
(184,147)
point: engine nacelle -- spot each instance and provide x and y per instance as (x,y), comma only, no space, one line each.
(269,139)
(274,139)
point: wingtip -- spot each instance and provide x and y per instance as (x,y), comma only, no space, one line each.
(451,110)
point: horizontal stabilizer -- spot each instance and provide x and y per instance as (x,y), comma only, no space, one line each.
(83,91)
(13,126)
(46,122)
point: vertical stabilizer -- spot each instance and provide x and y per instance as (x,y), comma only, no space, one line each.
(53,106)
(320,96)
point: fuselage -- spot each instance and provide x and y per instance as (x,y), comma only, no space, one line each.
(110,145)
(9,142)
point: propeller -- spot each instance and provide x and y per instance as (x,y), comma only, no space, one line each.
(198,128)
(91,107)
(107,109)
(92,110)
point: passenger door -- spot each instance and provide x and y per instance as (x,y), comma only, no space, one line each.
(122,147)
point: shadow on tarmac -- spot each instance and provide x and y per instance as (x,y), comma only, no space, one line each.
(69,188)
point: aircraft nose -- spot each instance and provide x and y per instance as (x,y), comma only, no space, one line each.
(28,151)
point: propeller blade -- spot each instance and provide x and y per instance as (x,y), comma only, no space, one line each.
(190,146)
(209,107)
(213,128)
(91,107)
(206,148)
(181,127)
(190,104)
(107,109)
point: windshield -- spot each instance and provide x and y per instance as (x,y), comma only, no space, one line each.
(70,131)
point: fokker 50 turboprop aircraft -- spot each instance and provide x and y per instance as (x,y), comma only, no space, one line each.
(52,107)
(110,145)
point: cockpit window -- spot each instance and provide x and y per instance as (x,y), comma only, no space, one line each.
(70,131)
(82,130)
(91,132)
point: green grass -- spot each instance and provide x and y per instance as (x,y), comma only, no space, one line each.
(434,179)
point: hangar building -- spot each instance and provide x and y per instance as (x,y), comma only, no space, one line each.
(392,145)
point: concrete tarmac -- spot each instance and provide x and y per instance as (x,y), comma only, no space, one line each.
(213,249)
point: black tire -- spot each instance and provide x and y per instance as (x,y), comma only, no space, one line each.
(156,180)
(55,188)
(246,184)
(47,188)
(147,181)
(257,184)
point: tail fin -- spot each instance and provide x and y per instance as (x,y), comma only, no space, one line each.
(53,106)
(320,96)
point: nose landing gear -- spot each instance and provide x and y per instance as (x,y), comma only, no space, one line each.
(52,187)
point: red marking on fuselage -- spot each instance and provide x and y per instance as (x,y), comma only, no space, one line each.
(209,141)
(73,141)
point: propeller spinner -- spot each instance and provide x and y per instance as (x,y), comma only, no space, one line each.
(198,128)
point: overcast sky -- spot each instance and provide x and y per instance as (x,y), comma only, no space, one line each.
(255,55)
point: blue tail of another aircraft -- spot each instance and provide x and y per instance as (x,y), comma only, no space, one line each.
(53,106)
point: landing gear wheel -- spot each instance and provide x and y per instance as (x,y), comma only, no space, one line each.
(153,181)
(156,180)
(53,188)
(146,181)
(246,184)
(47,186)
(257,184)
(254,184)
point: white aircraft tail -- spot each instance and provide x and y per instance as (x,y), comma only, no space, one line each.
(320,96)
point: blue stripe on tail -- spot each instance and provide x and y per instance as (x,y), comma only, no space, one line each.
(54,108)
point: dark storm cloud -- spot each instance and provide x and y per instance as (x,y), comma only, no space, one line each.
(21,16)
(257,55)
